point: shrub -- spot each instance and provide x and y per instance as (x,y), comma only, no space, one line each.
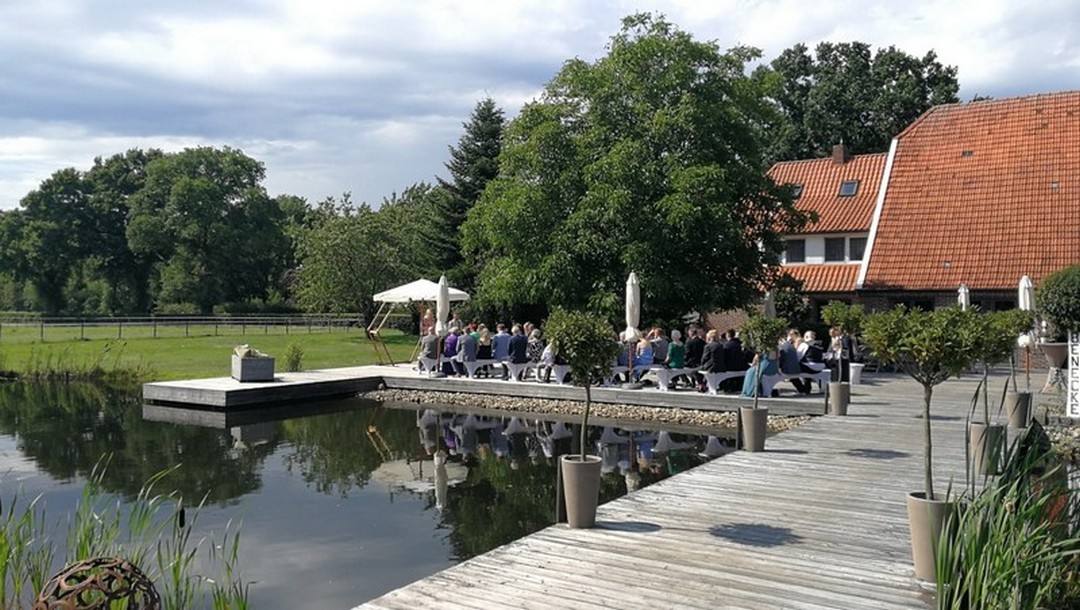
(294,356)
(1058,299)
(847,317)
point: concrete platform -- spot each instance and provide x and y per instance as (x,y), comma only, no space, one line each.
(227,394)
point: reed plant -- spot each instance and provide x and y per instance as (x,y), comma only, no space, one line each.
(1015,543)
(294,357)
(154,531)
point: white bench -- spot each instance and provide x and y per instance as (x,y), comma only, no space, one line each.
(769,381)
(427,365)
(472,366)
(638,372)
(713,380)
(664,376)
(516,369)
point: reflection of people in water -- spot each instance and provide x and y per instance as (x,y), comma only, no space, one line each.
(428,423)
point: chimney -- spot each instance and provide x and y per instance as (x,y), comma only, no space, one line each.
(840,154)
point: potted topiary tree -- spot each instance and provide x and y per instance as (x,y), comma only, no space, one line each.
(1058,300)
(930,347)
(586,342)
(761,333)
(849,319)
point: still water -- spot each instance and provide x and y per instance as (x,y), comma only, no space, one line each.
(338,502)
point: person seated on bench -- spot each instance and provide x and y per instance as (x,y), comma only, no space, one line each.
(468,347)
(734,360)
(712,358)
(500,346)
(643,357)
(695,348)
(659,345)
(429,350)
(811,358)
(483,350)
(769,366)
(789,360)
(519,346)
(676,354)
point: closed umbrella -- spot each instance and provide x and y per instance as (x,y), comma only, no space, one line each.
(633,308)
(442,307)
(770,304)
(1026,299)
(963,297)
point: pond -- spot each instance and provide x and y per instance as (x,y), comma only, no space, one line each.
(337,501)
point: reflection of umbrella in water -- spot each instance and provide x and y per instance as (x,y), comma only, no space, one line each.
(417,476)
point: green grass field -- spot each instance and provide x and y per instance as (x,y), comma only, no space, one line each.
(183,353)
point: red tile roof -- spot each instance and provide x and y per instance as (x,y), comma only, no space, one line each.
(982,193)
(825,278)
(821,180)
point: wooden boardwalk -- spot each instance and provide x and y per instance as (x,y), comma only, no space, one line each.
(816,521)
(225,393)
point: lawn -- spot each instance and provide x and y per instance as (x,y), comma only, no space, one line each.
(184,353)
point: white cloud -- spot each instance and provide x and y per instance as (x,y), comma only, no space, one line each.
(365,97)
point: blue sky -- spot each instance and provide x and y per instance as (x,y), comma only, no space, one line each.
(366,96)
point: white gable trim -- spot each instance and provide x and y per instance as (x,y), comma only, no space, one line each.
(877,214)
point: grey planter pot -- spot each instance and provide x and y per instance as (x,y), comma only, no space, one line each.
(252,369)
(926,520)
(581,484)
(1018,408)
(987,443)
(839,397)
(755,426)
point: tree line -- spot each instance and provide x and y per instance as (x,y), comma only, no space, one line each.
(651,158)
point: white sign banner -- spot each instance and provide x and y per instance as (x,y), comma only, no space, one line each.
(1074,375)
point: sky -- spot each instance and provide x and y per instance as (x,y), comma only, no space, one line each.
(365,97)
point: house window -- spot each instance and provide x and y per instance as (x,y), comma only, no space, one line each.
(834,249)
(796,190)
(795,251)
(857,246)
(849,188)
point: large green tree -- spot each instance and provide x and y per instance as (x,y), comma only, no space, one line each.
(473,163)
(648,159)
(349,253)
(847,93)
(206,221)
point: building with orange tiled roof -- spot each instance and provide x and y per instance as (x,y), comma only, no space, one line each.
(841,191)
(978,194)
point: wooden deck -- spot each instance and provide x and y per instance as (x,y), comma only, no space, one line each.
(225,393)
(816,521)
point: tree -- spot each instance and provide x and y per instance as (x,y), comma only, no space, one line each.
(648,160)
(206,221)
(55,231)
(845,93)
(473,163)
(345,258)
(1058,299)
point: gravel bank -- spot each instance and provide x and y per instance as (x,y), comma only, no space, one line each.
(688,417)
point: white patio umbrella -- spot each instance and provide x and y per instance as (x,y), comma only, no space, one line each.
(1026,300)
(442,307)
(963,297)
(633,308)
(770,304)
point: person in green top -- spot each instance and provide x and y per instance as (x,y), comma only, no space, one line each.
(676,352)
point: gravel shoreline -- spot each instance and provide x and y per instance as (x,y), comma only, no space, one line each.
(688,417)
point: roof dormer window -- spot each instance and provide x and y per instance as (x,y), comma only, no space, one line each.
(796,190)
(849,188)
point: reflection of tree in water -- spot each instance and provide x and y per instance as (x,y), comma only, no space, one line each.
(68,428)
(337,452)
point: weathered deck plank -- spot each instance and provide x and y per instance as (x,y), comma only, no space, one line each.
(816,521)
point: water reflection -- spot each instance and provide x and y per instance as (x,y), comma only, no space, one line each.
(397,493)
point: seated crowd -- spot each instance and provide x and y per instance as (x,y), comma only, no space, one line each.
(701,354)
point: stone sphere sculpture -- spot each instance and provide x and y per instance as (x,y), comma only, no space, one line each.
(94,584)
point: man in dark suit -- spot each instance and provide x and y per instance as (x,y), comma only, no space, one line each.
(695,347)
(712,358)
(519,346)
(734,360)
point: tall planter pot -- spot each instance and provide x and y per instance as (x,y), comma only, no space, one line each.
(926,520)
(581,484)
(839,397)
(1018,409)
(987,443)
(755,426)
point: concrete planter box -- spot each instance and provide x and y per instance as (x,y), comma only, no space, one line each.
(252,369)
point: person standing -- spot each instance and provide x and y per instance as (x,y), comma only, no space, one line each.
(518,346)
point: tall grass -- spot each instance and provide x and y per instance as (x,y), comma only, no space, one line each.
(1015,543)
(156,532)
(107,364)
